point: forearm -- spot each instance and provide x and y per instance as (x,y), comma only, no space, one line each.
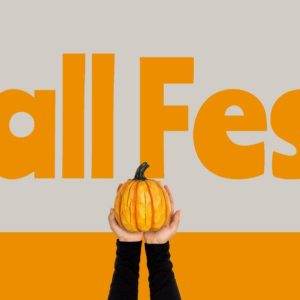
(124,283)
(162,280)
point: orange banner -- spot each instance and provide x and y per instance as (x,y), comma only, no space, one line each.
(209,266)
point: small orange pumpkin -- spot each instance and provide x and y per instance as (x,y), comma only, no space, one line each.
(142,204)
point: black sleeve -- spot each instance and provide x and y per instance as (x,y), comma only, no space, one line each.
(162,280)
(124,285)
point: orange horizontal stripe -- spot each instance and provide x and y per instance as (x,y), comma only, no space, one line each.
(208,266)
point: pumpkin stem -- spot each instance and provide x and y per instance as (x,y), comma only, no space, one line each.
(139,174)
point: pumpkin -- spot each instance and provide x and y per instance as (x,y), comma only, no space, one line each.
(142,204)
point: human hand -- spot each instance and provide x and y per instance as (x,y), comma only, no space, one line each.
(165,233)
(122,234)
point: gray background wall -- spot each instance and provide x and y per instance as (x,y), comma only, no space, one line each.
(252,45)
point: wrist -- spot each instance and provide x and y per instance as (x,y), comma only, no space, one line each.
(128,240)
(155,241)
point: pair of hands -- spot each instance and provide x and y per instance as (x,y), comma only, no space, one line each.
(150,237)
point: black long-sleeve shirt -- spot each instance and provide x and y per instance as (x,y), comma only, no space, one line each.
(162,282)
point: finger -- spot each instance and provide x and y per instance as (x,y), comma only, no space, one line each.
(112,221)
(170,197)
(119,186)
(111,217)
(169,193)
(175,220)
(172,208)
